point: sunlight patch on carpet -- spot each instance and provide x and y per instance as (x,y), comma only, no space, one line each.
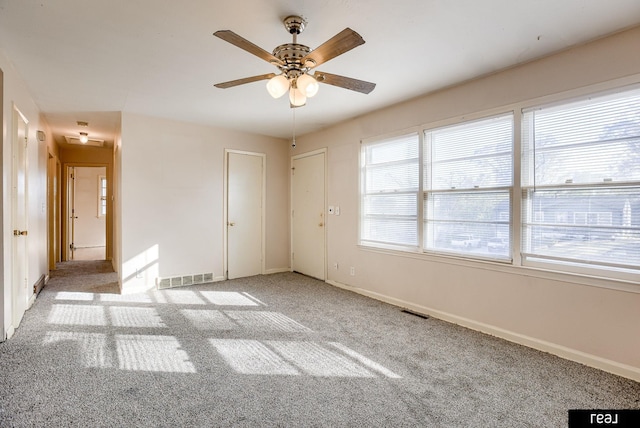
(77,315)
(152,353)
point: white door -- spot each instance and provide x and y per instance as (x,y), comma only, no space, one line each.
(307,215)
(19,217)
(245,194)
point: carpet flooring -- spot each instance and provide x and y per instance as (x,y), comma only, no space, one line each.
(279,350)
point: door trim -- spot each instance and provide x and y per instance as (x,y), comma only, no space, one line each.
(64,234)
(325,203)
(225,216)
(16,116)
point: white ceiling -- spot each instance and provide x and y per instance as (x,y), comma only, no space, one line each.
(90,59)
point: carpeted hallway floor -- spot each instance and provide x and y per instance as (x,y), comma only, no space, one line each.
(278,350)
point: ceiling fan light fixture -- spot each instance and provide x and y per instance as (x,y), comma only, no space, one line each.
(297,97)
(308,85)
(84,137)
(277,86)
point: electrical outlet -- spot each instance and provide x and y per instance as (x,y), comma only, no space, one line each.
(352,271)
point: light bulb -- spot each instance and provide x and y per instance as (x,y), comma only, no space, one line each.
(277,86)
(297,97)
(308,85)
(84,137)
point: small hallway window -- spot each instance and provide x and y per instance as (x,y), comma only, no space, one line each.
(102,196)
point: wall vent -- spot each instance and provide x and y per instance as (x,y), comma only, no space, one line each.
(184,280)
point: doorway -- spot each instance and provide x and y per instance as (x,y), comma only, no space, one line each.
(86,212)
(245,213)
(19,195)
(308,221)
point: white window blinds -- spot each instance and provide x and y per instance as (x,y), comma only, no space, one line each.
(581,182)
(390,185)
(468,180)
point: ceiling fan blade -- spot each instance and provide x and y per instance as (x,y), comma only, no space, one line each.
(232,83)
(342,42)
(344,82)
(242,43)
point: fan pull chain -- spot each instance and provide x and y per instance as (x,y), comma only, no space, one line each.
(293,142)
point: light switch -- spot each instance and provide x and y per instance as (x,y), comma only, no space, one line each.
(337,210)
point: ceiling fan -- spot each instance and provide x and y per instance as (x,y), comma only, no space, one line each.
(295,61)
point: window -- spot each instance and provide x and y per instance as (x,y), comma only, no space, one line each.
(452,189)
(102,196)
(581,171)
(461,205)
(389,192)
(468,178)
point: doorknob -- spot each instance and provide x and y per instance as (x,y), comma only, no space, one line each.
(17,232)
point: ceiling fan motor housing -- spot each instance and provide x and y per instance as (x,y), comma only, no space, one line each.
(294,24)
(291,55)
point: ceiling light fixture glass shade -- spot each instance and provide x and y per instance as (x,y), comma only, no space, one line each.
(308,85)
(277,86)
(84,137)
(297,97)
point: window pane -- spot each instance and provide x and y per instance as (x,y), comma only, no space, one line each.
(393,176)
(599,226)
(480,172)
(584,142)
(391,205)
(475,154)
(468,222)
(390,231)
(396,149)
(478,157)
(389,195)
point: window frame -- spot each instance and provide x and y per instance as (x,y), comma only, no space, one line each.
(102,198)
(606,270)
(427,162)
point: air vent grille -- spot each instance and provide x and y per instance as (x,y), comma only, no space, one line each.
(184,280)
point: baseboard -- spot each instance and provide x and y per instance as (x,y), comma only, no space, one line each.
(590,360)
(39,285)
(277,270)
(10,332)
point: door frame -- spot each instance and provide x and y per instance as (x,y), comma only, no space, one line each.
(324,206)
(64,214)
(54,181)
(225,218)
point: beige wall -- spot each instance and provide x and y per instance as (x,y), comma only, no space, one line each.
(578,318)
(172,200)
